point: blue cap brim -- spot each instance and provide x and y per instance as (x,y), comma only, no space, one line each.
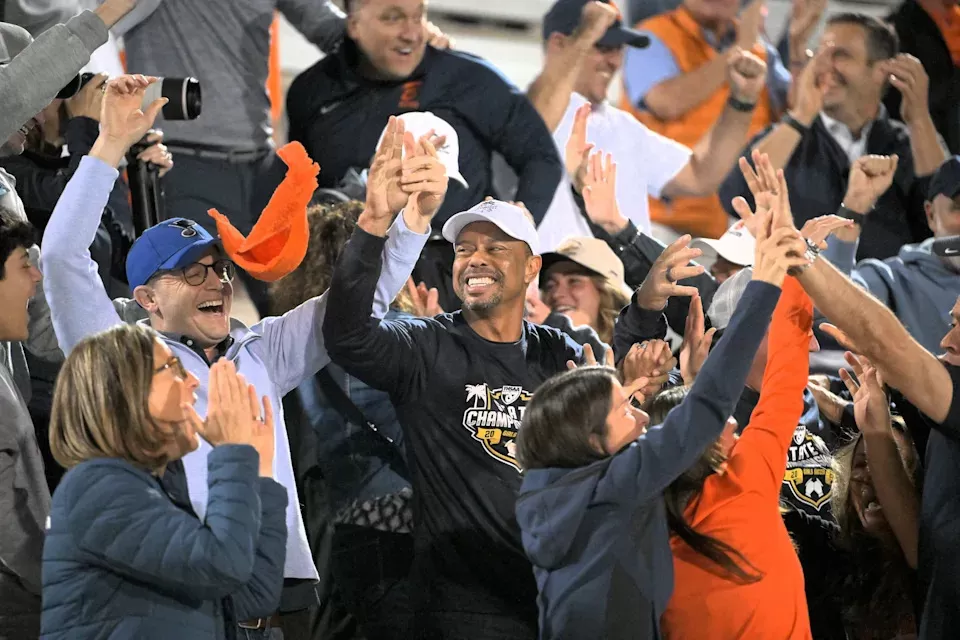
(188,254)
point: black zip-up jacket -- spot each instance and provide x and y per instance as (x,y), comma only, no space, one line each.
(920,36)
(338,116)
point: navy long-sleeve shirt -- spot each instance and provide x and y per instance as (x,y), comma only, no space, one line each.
(460,399)
(338,116)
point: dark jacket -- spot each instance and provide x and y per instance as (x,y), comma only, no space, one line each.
(122,559)
(598,535)
(817,173)
(920,36)
(338,116)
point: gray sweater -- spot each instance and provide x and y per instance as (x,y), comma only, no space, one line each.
(35,76)
(226,45)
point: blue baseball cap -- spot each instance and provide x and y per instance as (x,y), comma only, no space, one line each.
(564,17)
(172,244)
(945,180)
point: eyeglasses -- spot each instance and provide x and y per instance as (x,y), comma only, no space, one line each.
(196,273)
(175,365)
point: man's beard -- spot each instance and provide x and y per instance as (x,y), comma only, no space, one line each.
(483,306)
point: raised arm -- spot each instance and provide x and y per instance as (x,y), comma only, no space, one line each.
(760,456)
(117,517)
(862,323)
(667,450)
(35,76)
(294,343)
(550,91)
(895,489)
(510,125)
(392,356)
(79,305)
(320,21)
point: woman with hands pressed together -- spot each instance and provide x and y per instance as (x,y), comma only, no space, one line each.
(591,508)
(124,557)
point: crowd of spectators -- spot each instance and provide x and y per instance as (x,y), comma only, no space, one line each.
(528,364)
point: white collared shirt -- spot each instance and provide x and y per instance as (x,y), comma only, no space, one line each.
(853,147)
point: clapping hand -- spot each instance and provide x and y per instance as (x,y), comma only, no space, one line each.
(424,179)
(385,198)
(234,415)
(652,360)
(911,80)
(426,302)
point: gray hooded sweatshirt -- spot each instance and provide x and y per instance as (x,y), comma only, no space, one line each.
(918,286)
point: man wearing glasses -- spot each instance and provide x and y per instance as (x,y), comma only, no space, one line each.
(182,281)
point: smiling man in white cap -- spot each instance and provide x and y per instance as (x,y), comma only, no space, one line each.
(460,383)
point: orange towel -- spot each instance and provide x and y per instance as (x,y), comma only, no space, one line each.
(278,242)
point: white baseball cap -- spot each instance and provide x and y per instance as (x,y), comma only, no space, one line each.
(420,123)
(737,245)
(510,218)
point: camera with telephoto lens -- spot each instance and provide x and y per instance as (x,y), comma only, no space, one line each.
(184,95)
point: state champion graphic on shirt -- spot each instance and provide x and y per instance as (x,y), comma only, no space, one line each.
(809,475)
(493,419)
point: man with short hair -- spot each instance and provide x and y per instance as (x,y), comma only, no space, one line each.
(24,496)
(585,44)
(460,383)
(917,285)
(837,117)
(183,284)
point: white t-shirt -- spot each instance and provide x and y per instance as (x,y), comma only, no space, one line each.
(646,161)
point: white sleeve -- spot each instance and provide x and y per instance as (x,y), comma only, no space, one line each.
(661,157)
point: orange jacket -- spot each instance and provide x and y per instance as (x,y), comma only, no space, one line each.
(702,217)
(742,508)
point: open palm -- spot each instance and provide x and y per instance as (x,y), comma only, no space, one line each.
(121,116)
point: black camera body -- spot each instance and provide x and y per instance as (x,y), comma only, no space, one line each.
(184,95)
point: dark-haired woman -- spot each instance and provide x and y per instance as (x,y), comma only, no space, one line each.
(737,574)
(876,502)
(591,507)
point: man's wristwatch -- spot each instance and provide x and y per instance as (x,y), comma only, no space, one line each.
(846,212)
(740,105)
(811,254)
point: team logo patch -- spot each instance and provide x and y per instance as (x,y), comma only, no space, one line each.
(809,477)
(493,418)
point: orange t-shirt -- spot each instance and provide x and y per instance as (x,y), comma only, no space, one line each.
(742,508)
(948,22)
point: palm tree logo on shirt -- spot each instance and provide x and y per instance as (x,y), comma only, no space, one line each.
(477,393)
(493,417)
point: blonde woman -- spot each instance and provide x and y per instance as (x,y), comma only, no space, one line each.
(123,557)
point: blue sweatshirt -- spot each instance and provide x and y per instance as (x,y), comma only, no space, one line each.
(915,284)
(275,355)
(598,535)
